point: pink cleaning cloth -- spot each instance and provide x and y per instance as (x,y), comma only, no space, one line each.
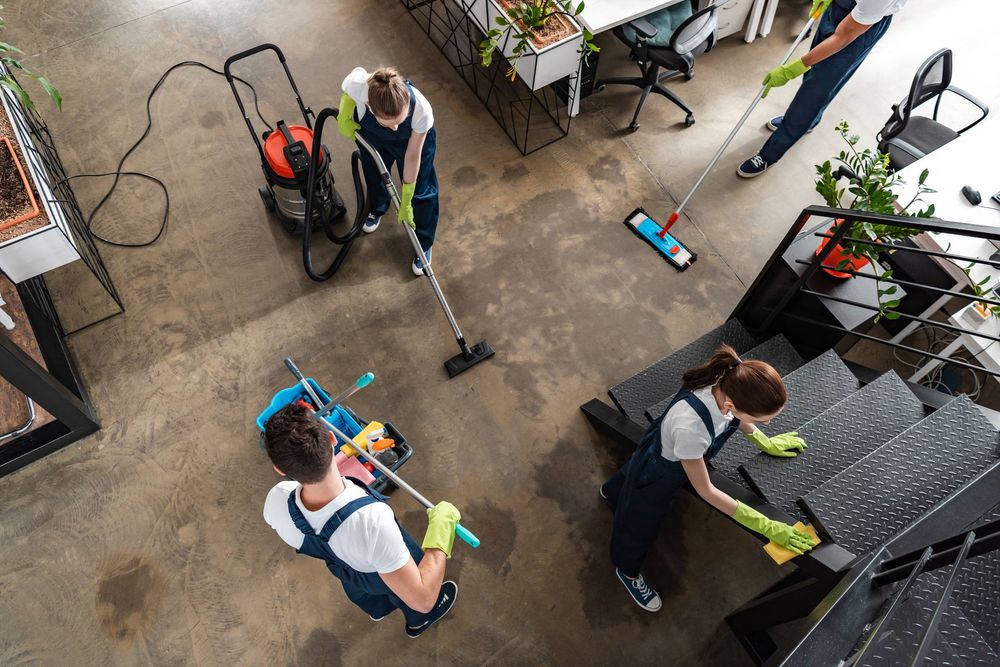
(349,466)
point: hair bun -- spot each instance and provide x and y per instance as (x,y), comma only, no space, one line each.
(383,75)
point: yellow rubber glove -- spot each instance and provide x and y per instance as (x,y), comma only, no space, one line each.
(784,534)
(785,444)
(782,74)
(819,6)
(441,522)
(405,212)
(345,117)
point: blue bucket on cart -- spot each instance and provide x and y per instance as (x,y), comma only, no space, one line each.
(343,418)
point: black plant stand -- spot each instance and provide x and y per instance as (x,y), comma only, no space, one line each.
(532,119)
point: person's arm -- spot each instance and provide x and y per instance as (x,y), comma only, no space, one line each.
(418,585)
(411,161)
(697,474)
(848,31)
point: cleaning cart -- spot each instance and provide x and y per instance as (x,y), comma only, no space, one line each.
(350,424)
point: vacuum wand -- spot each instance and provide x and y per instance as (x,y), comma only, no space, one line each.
(739,125)
(461,531)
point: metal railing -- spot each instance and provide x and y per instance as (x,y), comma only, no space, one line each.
(778,310)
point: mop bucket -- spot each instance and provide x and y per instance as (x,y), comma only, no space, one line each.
(344,419)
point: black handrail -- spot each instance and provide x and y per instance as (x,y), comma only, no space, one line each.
(897,600)
(987,540)
(930,632)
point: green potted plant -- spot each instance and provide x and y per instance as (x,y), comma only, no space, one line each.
(546,29)
(870,187)
(8,56)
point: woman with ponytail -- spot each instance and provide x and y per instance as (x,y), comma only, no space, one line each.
(397,120)
(716,399)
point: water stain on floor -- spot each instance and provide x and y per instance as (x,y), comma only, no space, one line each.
(320,648)
(129,593)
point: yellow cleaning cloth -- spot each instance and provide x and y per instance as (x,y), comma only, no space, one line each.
(782,555)
(361,439)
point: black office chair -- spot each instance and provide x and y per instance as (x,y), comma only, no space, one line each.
(693,37)
(906,137)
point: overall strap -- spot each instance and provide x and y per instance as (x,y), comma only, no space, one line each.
(702,411)
(413,98)
(332,523)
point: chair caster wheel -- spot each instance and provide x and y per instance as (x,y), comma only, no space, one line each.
(633,127)
(599,88)
(688,76)
(689,121)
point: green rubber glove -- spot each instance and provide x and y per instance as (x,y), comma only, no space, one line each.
(345,117)
(781,533)
(782,74)
(819,6)
(405,212)
(785,444)
(441,522)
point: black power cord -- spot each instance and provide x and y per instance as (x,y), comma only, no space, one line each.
(118,173)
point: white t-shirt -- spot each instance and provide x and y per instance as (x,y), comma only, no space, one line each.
(868,12)
(369,541)
(356,85)
(682,431)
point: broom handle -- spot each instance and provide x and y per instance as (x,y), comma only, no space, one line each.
(739,125)
(461,531)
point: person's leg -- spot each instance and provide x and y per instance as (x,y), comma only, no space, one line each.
(413,618)
(636,525)
(378,197)
(376,606)
(425,196)
(611,489)
(820,86)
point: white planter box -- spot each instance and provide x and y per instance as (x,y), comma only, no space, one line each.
(45,248)
(539,67)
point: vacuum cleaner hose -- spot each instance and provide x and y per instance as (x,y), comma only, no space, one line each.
(361,209)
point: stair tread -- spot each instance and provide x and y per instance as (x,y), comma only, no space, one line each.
(874,498)
(663,378)
(776,351)
(836,438)
(812,389)
(977,589)
(958,641)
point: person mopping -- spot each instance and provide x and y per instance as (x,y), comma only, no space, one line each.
(397,120)
(716,399)
(847,32)
(344,523)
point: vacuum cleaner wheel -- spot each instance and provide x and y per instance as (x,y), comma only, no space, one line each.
(267,197)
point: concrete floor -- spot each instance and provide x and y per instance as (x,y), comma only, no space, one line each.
(144,544)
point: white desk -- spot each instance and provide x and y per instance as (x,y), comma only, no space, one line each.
(600,15)
(968,160)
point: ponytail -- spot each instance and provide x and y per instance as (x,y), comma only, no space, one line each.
(753,386)
(387,93)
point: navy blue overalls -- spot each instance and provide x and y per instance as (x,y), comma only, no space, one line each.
(391,145)
(641,492)
(365,589)
(823,80)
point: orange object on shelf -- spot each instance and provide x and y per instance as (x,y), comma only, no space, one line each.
(27,188)
(384,443)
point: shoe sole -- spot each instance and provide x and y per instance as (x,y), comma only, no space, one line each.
(429,625)
(638,604)
(743,174)
(416,271)
(774,128)
(600,492)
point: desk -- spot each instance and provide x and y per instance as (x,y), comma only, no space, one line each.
(967,160)
(601,15)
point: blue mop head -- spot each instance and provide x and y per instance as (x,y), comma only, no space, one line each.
(669,247)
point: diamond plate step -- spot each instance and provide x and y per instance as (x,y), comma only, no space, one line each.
(662,379)
(834,441)
(812,389)
(977,590)
(864,505)
(776,351)
(958,643)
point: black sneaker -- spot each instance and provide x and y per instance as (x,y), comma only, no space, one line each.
(371,224)
(446,600)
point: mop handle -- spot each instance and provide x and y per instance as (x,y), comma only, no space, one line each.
(394,196)
(466,535)
(739,125)
(358,385)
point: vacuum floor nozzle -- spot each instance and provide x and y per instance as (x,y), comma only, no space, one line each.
(462,362)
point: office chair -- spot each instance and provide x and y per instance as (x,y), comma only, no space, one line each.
(693,37)
(907,137)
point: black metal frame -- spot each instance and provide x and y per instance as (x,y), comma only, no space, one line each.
(516,108)
(58,389)
(44,163)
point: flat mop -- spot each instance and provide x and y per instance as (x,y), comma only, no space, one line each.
(657,235)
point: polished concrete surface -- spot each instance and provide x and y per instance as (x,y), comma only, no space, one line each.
(144,544)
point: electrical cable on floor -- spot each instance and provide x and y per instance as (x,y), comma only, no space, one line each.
(936,339)
(118,173)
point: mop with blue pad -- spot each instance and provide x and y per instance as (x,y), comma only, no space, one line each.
(657,235)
